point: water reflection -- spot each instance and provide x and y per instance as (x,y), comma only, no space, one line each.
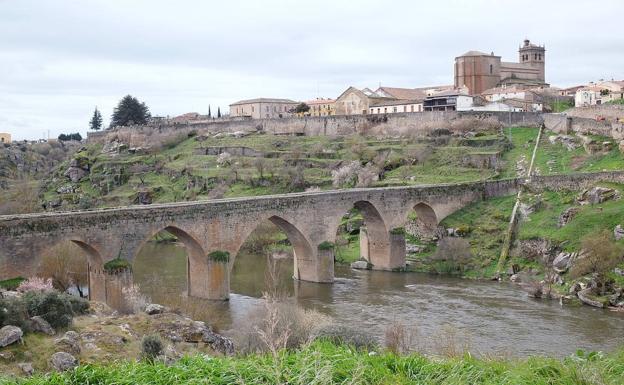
(496,317)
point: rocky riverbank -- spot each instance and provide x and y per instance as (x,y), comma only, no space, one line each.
(103,336)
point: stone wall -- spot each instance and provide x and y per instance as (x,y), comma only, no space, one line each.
(399,124)
(566,124)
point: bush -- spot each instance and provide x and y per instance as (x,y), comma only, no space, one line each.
(52,306)
(116,265)
(151,347)
(326,245)
(13,311)
(343,335)
(219,256)
(35,284)
(78,305)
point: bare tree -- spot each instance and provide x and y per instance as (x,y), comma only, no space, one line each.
(67,266)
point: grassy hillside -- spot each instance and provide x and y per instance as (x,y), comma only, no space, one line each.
(325,363)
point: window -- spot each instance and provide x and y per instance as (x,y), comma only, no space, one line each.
(491,69)
(412,107)
(379,110)
(252,108)
(385,110)
(394,109)
(419,108)
(404,108)
(371,110)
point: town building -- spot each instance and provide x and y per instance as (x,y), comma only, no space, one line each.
(321,107)
(5,137)
(599,93)
(396,106)
(480,71)
(263,108)
(453,100)
(517,95)
(357,102)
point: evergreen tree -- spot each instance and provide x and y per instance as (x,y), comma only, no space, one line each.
(218,112)
(209,113)
(130,111)
(96,120)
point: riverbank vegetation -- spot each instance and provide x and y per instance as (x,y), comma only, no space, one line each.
(326,363)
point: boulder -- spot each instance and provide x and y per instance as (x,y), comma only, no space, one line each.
(143,197)
(75,174)
(113,148)
(26,368)
(66,189)
(410,248)
(597,195)
(68,343)
(586,298)
(7,356)
(218,342)
(10,334)
(38,324)
(154,308)
(562,262)
(362,265)
(62,361)
(618,232)
(567,215)
(575,288)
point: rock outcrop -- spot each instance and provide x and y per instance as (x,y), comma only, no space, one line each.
(10,334)
(618,232)
(62,361)
(38,324)
(567,215)
(597,195)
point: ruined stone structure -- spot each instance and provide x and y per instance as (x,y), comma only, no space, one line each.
(310,220)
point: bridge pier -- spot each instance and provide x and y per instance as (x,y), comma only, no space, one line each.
(208,279)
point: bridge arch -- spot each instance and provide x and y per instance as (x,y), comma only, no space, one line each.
(195,256)
(374,238)
(302,247)
(426,214)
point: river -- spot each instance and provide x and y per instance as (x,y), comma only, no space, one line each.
(491,318)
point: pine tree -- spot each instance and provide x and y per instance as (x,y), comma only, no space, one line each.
(218,112)
(130,111)
(209,113)
(96,120)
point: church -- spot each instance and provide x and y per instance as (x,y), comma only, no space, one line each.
(479,71)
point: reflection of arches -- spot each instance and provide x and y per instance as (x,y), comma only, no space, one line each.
(196,260)
(377,242)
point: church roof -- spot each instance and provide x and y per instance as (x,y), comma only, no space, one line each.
(475,53)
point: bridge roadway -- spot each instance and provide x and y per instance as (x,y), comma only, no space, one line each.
(310,220)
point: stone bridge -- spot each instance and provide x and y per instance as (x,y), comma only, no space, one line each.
(310,220)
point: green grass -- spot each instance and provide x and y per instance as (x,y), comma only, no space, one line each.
(325,363)
(11,284)
(523,141)
(590,219)
(486,222)
(562,105)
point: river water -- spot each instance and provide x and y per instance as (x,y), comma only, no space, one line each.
(486,317)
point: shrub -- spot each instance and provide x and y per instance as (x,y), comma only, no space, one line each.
(116,265)
(344,335)
(219,256)
(52,306)
(13,311)
(35,284)
(224,159)
(151,347)
(347,175)
(133,300)
(399,338)
(326,245)
(398,231)
(78,305)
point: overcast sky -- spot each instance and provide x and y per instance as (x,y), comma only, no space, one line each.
(59,59)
